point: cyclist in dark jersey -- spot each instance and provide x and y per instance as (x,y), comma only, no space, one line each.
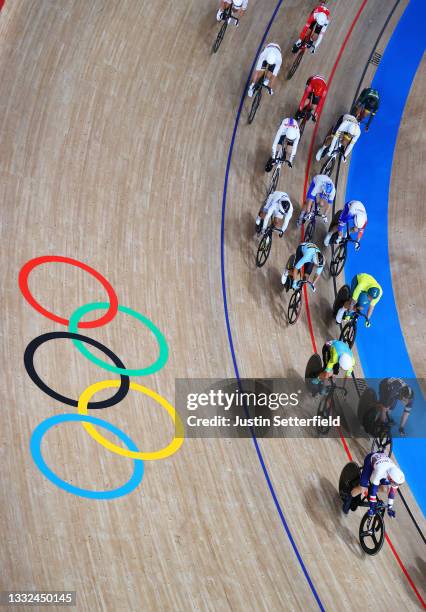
(367,104)
(391,391)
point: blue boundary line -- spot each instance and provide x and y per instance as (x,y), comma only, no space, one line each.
(225,306)
(371,184)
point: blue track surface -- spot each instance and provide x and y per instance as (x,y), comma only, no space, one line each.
(382,348)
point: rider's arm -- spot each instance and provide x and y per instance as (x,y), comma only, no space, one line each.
(351,145)
(333,359)
(277,68)
(306,93)
(294,148)
(343,219)
(336,137)
(312,191)
(280,132)
(287,218)
(308,24)
(320,37)
(269,211)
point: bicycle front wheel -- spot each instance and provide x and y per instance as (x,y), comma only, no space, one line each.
(294,307)
(372,533)
(263,250)
(220,36)
(255,105)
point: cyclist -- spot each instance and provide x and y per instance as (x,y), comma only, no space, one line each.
(238,8)
(269,63)
(378,469)
(313,97)
(287,138)
(322,191)
(367,104)
(353,218)
(279,206)
(307,257)
(335,355)
(392,390)
(346,132)
(367,284)
(317,24)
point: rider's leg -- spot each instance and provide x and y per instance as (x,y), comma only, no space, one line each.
(256,76)
(223,5)
(304,211)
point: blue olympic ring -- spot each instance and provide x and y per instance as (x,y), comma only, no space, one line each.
(35,448)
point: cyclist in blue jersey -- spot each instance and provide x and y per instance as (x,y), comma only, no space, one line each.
(353,218)
(322,191)
(308,256)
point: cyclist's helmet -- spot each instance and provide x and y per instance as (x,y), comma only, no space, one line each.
(406,394)
(373,292)
(237,4)
(285,205)
(318,258)
(363,300)
(327,189)
(396,475)
(321,19)
(292,131)
(345,361)
(360,219)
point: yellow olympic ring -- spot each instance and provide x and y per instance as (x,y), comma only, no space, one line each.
(174,445)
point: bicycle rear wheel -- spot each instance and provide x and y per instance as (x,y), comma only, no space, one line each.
(372,533)
(295,64)
(323,412)
(328,167)
(294,307)
(310,229)
(264,249)
(220,36)
(274,180)
(348,334)
(339,259)
(255,105)
(349,478)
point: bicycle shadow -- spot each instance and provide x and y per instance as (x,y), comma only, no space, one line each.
(322,505)
(276,294)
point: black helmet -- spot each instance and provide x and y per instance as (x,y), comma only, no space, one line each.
(285,205)
(406,394)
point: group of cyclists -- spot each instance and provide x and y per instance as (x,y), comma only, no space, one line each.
(309,261)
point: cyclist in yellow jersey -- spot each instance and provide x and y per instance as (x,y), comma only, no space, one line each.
(364,284)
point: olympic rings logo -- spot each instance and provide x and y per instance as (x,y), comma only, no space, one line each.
(123,385)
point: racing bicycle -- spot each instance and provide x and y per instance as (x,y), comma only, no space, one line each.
(265,244)
(295,304)
(307,43)
(257,95)
(226,17)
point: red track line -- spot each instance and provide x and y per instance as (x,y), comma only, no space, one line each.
(311,331)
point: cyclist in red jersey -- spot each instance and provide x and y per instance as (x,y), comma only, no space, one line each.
(317,23)
(313,96)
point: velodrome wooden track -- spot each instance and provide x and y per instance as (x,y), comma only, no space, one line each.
(115,127)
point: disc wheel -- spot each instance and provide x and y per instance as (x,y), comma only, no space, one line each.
(323,412)
(339,259)
(220,36)
(295,65)
(263,249)
(255,105)
(294,307)
(348,334)
(372,533)
(349,478)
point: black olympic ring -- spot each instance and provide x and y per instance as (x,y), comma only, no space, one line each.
(29,366)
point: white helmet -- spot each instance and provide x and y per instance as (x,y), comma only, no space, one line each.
(237,3)
(345,361)
(292,131)
(358,211)
(321,19)
(396,475)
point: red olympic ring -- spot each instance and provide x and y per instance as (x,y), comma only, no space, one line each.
(37,261)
